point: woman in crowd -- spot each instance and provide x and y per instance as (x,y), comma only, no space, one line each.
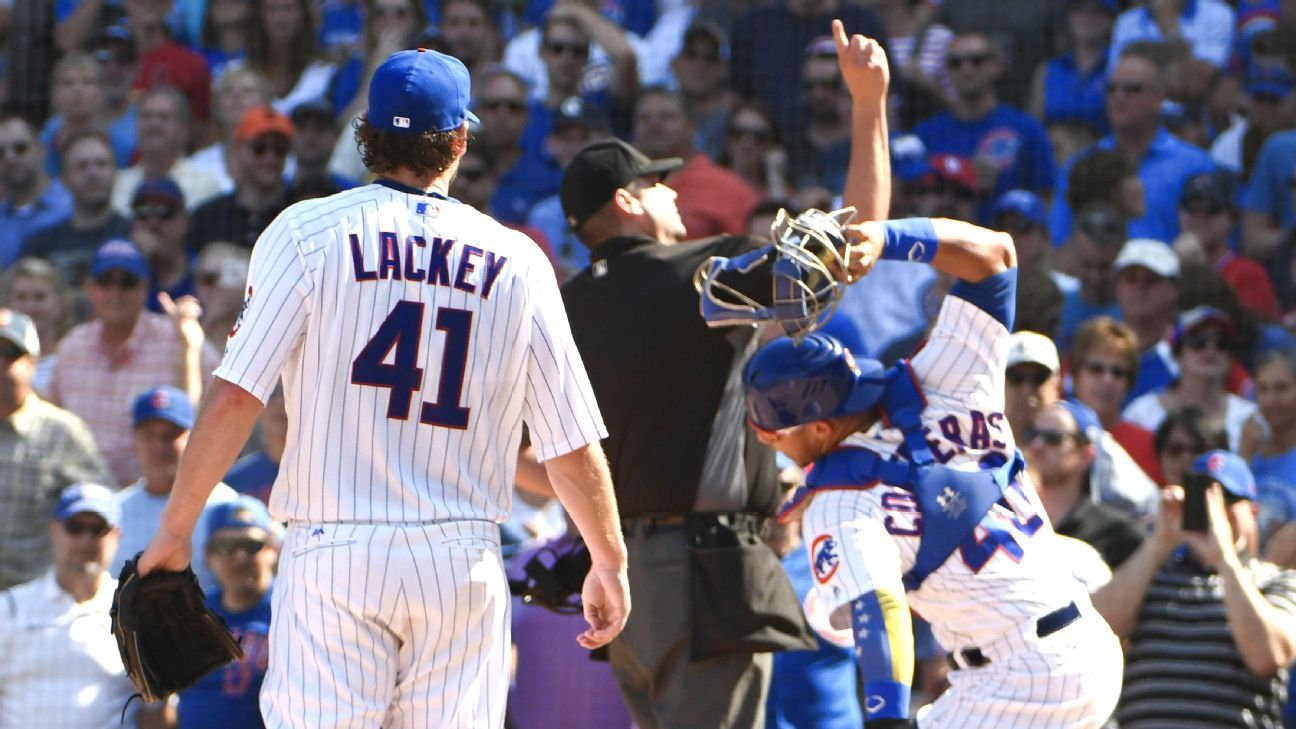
(753,151)
(1183,436)
(1104,360)
(1201,343)
(35,288)
(1270,440)
(389,26)
(225,33)
(281,48)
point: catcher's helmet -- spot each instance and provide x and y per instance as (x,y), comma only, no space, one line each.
(791,384)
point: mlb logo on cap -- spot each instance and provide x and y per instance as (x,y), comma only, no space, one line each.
(401,122)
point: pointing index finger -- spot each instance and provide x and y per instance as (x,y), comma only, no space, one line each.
(839,35)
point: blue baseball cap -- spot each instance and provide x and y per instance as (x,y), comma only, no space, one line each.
(909,159)
(420,91)
(88,498)
(163,189)
(1230,471)
(118,254)
(163,403)
(244,512)
(1269,78)
(1021,202)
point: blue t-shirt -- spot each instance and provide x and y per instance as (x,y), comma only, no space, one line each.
(1157,371)
(1070,94)
(1270,190)
(532,178)
(340,25)
(1015,140)
(1165,167)
(51,208)
(812,688)
(228,697)
(1276,490)
(254,475)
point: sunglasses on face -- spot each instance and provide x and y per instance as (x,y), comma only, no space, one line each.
(154,212)
(9,351)
(117,279)
(1048,435)
(394,12)
(278,147)
(1202,340)
(1125,87)
(1098,369)
(96,528)
(576,50)
(230,545)
(967,59)
(1034,378)
(700,55)
(513,105)
(14,149)
(1203,209)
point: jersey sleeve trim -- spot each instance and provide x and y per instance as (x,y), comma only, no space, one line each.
(996,295)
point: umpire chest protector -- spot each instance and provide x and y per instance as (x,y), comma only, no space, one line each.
(952,502)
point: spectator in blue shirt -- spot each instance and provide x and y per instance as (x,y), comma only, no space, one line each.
(1008,147)
(224,34)
(1135,92)
(254,474)
(29,199)
(242,552)
(1268,216)
(1095,241)
(1147,290)
(1069,87)
(1205,25)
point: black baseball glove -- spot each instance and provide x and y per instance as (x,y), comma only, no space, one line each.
(167,636)
(554,577)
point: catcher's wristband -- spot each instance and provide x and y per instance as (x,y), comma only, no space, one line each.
(909,239)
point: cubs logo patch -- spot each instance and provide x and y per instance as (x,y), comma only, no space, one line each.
(823,558)
(1215,463)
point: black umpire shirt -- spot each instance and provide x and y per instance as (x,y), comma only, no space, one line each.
(659,372)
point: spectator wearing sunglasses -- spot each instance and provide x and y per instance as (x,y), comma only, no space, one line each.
(1208,218)
(159,225)
(59,663)
(701,74)
(1095,242)
(1062,446)
(1147,292)
(1008,147)
(29,199)
(1031,380)
(1270,107)
(1104,361)
(1022,214)
(1184,435)
(242,552)
(124,349)
(1201,345)
(160,421)
(45,450)
(89,172)
(262,141)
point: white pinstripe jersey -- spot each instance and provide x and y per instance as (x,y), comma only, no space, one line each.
(983,590)
(414,336)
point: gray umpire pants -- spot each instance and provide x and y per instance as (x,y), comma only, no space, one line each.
(661,685)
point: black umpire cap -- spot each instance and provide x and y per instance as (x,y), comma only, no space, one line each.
(598,171)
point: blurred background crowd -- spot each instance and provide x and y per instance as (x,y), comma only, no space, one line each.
(1142,154)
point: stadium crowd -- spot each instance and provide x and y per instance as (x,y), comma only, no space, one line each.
(1142,155)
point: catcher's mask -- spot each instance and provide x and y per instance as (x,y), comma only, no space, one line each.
(805,289)
(789,384)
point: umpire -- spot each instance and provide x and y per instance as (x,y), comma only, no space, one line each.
(694,487)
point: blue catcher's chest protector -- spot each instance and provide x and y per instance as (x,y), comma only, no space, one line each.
(952,502)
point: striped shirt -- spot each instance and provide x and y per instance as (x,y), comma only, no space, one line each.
(42,449)
(1183,669)
(414,336)
(101,386)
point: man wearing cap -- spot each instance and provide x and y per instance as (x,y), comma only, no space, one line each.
(1271,108)
(683,461)
(1147,292)
(315,132)
(1008,147)
(105,363)
(261,143)
(242,552)
(712,200)
(1211,629)
(400,460)
(161,419)
(88,173)
(1208,218)
(29,199)
(572,129)
(59,664)
(1062,444)
(43,448)
(162,136)
(161,223)
(1096,240)
(701,73)
(1021,214)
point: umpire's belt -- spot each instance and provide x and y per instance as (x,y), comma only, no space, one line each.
(1044,627)
(643,525)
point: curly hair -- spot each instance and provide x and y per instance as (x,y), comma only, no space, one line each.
(426,155)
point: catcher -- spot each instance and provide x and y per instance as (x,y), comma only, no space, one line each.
(918,497)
